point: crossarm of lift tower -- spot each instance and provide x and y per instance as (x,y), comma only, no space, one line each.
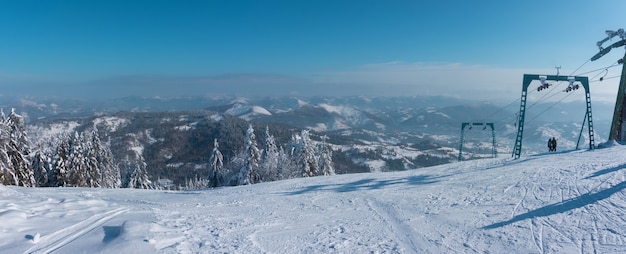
(610,34)
(617,132)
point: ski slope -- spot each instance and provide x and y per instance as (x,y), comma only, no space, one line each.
(569,202)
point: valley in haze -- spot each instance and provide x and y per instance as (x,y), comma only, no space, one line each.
(367,134)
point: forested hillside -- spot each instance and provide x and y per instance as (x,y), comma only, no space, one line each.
(176,147)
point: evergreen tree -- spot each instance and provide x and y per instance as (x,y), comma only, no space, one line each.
(94,177)
(196,183)
(286,167)
(305,154)
(78,174)
(249,172)
(138,173)
(18,151)
(41,168)
(7,173)
(326,158)
(111,177)
(61,163)
(269,160)
(127,171)
(93,149)
(216,175)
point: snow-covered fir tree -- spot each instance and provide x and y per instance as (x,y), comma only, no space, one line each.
(137,169)
(61,163)
(18,151)
(41,165)
(196,183)
(78,174)
(326,158)
(287,167)
(305,154)
(111,177)
(249,173)
(269,166)
(7,174)
(216,174)
(94,173)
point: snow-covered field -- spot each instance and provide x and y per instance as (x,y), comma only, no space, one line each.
(571,202)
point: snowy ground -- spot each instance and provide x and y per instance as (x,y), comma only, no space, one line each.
(571,202)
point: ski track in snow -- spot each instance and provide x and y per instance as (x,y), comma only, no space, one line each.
(404,233)
(570,202)
(58,239)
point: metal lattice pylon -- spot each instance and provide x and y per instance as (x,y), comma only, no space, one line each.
(618,131)
(528,78)
(494,152)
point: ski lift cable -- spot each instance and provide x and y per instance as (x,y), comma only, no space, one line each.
(558,83)
(580,67)
(545,99)
(600,69)
(500,109)
(612,77)
(551,93)
(548,95)
(502,121)
(506,119)
(606,71)
(548,108)
(554,91)
(551,106)
(542,99)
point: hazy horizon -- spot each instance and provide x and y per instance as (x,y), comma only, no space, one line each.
(473,50)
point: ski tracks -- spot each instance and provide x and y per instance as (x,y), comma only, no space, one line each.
(58,239)
(409,239)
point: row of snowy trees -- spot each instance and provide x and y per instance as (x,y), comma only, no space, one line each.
(302,158)
(79,160)
(84,160)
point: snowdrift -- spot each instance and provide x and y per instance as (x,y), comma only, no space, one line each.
(570,202)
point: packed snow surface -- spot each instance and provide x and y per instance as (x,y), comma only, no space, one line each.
(570,202)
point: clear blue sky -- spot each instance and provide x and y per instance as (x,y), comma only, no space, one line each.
(338,47)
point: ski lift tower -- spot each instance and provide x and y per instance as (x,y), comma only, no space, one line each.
(618,133)
(494,152)
(573,85)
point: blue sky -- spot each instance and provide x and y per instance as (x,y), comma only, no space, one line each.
(457,48)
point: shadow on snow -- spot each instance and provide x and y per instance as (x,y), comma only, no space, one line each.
(111,232)
(366,184)
(570,204)
(606,171)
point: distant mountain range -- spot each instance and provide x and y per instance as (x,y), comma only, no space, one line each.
(375,133)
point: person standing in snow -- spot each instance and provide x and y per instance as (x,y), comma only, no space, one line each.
(549,145)
(553,144)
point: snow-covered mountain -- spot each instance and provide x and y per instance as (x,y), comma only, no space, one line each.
(568,202)
(380,133)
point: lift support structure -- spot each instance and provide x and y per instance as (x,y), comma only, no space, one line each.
(494,153)
(618,125)
(528,78)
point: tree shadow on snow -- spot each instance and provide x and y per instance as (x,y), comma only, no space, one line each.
(366,184)
(567,205)
(606,171)
(111,232)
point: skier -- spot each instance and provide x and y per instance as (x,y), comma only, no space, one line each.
(553,144)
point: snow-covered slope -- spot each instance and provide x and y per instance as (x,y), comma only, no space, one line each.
(570,202)
(246,111)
